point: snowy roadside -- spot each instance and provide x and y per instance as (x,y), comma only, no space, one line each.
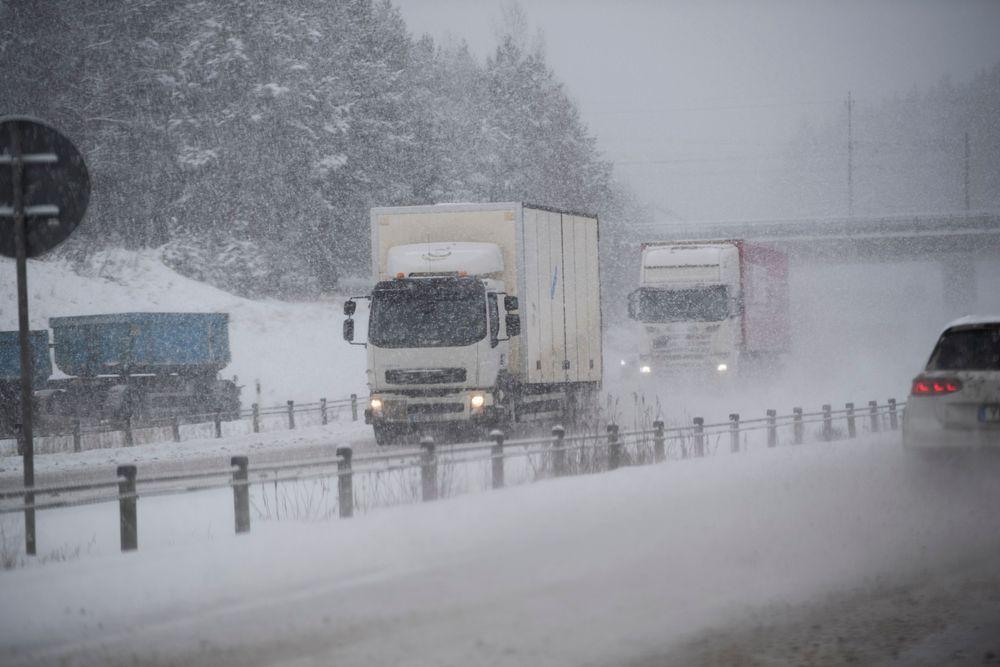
(196,454)
(599,569)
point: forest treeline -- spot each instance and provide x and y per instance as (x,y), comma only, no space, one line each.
(251,138)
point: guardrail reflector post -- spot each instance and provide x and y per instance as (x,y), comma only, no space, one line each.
(873,409)
(291,415)
(734,432)
(614,448)
(428,469)
(893,419)
(699,436)
(827,423)
(77,436)
(852,430)
(659,442)
(322,412)
(558,451)
(175,428)
(797,427)
(128,519)
(496,457)
(354,407)
(218,425)
(345,482)
(241,493)
(256,418)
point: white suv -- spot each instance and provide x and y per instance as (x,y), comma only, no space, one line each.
(955,402)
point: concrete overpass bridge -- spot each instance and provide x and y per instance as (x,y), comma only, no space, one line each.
(955,240)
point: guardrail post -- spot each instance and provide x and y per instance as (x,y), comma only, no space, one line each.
(699,436)
(241,493)
(893,419)
(873,409)
(614,448)
(558,451)
(175,428)
(256,418)
(322,412)
(129,436)
(827,423)
(77,436)
(496,456)
(797,426)
(30,534)
(852,429)
(354,407)
(772,428)
(128,521)
(218,424)
(428,469)
(734,432)
(291,415)
(659,442)
(345,482)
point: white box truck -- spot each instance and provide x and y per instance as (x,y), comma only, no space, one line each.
(710,308)
(482,316)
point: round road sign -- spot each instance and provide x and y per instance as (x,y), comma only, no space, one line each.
(54,183)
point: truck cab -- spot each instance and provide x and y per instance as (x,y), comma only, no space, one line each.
(438,340)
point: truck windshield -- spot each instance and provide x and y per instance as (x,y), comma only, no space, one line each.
(702,304)
(428,313)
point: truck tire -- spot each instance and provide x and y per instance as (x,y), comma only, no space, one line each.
(386,434)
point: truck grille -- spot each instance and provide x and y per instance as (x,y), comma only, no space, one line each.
(433,408)
(425,375)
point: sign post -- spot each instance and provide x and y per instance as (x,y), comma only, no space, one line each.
(45,182)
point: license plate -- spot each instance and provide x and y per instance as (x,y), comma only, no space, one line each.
(989,413)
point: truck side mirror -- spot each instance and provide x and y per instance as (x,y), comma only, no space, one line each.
(349,307)
(510,303)
(349,330)
(513,323)
(633,305)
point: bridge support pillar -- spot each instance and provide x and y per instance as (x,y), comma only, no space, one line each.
(959,277)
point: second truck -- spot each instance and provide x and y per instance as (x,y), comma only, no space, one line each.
(709,309)
(482,316)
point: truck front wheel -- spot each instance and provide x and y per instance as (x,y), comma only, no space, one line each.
(385,434)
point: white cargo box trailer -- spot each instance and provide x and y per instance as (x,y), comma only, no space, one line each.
(550,262)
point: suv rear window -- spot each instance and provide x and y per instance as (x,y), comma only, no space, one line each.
(967,349)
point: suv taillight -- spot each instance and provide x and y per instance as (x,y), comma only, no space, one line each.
(923,386)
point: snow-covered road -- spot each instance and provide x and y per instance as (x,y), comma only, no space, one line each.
(603,569)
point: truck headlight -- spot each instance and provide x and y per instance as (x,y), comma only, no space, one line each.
(722,368)
(645,369)
(477,400)
(376,404)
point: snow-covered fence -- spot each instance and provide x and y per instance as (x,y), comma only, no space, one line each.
(432,471)
(76,435)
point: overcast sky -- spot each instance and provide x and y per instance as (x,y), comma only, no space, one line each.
(691,99)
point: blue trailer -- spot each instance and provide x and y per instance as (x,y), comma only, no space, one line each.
(141,343)
(10,372)
(10,356)
(144,366)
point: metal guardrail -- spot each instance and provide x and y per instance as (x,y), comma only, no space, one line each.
(256,415)
(554,456)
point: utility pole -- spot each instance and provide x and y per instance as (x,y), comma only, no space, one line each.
(850,155)
(967,208)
